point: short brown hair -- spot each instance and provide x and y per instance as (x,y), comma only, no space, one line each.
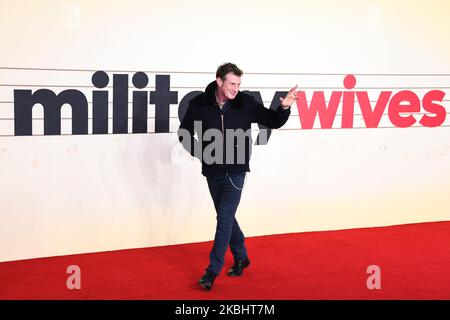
(226,68)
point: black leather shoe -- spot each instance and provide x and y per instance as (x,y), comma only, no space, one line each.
(207,280)
(238,267)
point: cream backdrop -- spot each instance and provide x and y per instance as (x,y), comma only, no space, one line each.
(73,194)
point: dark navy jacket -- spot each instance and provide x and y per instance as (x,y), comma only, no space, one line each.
(238,114)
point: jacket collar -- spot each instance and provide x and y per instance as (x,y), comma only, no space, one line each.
(209,98)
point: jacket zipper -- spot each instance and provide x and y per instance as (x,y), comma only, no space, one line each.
(223,132)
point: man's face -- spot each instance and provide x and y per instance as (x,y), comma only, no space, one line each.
(230,86)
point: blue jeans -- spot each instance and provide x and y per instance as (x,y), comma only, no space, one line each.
(226,196)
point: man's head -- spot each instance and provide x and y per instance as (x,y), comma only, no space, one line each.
(228,78)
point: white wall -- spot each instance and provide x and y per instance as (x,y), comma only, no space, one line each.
(71,194)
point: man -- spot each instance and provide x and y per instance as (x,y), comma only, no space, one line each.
(221,112)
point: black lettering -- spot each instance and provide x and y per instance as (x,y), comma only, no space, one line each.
(162,98)
(100,103)
(24,101)
(140,103)
(120,103)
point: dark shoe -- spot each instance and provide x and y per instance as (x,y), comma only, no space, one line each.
(207,280)
(238,267)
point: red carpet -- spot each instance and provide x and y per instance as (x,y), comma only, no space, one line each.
(414,261)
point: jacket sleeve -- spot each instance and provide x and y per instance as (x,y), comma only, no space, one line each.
(272,119)
(186,132)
